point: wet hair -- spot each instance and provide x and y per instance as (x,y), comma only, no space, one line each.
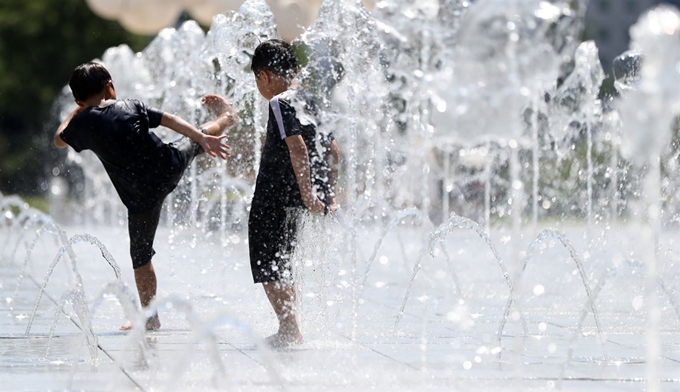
(276,56)
(88,79)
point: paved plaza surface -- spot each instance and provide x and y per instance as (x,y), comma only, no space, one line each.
(214,318)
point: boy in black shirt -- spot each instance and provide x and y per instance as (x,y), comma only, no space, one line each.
(297,171)
(142,168)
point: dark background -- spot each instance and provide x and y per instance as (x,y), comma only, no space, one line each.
(41,42)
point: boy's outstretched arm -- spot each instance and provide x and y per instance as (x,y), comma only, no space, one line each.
(211,144)
(57,136)
(301,167)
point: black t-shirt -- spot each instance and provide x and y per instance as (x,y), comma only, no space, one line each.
(142,168)
(276,184)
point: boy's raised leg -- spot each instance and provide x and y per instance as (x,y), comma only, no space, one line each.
(224,112)
(217,104)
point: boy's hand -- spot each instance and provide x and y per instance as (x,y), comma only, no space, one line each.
(214,147)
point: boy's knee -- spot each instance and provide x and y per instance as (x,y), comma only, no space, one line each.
(143,267)
(141,258)
(138,265)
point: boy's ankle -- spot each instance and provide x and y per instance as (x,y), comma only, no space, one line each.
(225,120)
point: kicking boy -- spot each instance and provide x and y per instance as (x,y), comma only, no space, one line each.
(298,170)
(142,168)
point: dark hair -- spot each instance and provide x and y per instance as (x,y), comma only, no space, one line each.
(88,79)
(276,56)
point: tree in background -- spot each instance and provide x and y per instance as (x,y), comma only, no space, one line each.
(40,44)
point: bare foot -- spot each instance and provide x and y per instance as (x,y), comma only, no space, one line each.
(152,324)
(218,105)
(281,340)
(226,116)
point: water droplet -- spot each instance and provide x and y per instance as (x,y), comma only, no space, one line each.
(638,302)
(552,347)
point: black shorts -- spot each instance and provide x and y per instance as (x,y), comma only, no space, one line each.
(142,225)
(271,241)
(188,149)
(142,230)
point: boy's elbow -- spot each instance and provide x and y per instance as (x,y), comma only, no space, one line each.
(59,142)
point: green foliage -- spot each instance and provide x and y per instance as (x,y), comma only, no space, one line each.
(42,41)
(41,203)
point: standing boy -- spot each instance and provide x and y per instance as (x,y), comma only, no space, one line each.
(142,168)
(298,171)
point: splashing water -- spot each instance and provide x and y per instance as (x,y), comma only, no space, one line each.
(79,303)
(413,85)
(437,236)
(72,241)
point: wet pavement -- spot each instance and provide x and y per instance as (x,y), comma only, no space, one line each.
(214,320)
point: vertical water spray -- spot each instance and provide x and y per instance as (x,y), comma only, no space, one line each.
(350,93)
(652,106)
(626,69)
(576,107)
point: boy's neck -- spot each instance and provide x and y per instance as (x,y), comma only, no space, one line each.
(100,99)
(281,85)
(94,101)
(280,88)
